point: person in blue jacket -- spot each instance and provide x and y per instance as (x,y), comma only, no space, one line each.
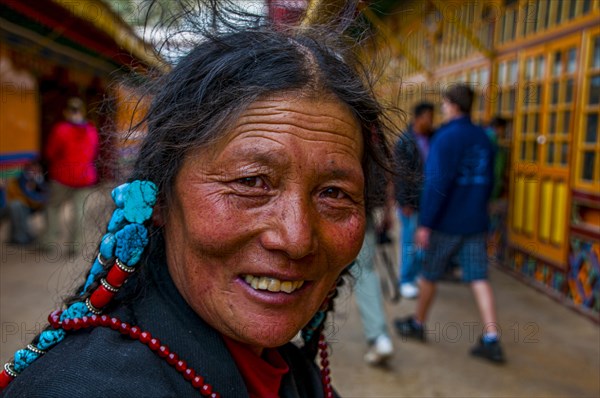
(453,221)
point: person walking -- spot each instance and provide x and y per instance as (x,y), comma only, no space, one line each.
(367,288)
(71,153)
(369,300)
(454,218)
(411,152)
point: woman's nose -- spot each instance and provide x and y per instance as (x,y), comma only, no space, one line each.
(292,229)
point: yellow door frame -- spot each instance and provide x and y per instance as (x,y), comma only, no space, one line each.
(541,193)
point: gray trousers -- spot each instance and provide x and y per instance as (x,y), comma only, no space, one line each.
(368,290)
(19,214)
(60,195)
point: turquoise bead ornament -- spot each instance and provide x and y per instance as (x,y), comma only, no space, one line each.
(126,237)
(139,199)
(117,221)
(126,240)
(131,242)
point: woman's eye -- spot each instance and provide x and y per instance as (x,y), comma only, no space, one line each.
(333,193)
(252,182)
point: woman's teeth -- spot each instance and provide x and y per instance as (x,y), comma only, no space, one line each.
(272,284)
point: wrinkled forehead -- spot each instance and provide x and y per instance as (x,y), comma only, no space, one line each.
(310,116)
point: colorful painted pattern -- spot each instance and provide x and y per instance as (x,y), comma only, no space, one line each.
(581,283)
(537,271)
(584,273)
(12,163)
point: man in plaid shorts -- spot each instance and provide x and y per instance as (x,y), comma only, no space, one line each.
(454,218)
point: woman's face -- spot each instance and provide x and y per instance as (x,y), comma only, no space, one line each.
(264,222)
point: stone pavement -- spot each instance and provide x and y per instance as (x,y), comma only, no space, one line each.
(551,351)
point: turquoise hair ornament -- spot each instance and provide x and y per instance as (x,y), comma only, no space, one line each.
(75,310)
(317,320)
(126,240)
(131,242)
(310,329)
(134,201)
(95,270)
(138,200)
(107,245)
(118,194)
(107,250)
(24,358)
(117,221)
(49,338)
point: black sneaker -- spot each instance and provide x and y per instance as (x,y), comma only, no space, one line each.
(490,351)
(406,327)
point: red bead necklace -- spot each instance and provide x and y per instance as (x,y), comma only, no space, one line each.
(163,351)
(325,372)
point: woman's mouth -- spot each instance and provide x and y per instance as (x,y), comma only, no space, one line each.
(272,284)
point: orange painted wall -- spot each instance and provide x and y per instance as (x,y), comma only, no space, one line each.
(131,108)
(19,109)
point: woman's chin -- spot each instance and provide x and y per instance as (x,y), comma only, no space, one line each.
(267,335)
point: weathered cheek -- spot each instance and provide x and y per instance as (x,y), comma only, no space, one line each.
(356,234)
(349,239)
(200,285)
(211,223)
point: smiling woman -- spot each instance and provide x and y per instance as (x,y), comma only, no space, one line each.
(246,205)
(284,217)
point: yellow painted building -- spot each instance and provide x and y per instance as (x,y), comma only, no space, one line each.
(537,64)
